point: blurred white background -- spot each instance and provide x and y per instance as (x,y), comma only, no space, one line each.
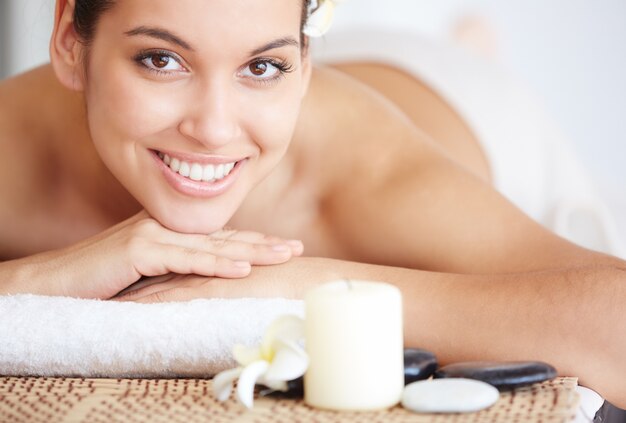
(571,52)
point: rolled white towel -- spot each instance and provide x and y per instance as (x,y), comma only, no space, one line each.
(60,336)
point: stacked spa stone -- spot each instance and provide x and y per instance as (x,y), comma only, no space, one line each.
(463,387)
(455,388)
(421,364)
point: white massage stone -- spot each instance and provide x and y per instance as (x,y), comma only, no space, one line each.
(449,396)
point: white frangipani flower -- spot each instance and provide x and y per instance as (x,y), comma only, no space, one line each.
(276,361)
(320,17)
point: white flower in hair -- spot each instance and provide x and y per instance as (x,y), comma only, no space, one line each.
(320,18)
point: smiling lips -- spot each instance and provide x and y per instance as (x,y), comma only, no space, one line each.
(197,171)
(204,180)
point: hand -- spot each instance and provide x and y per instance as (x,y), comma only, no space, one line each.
(287,280)
(107,263)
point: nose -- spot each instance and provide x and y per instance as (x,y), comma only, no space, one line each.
(210,118)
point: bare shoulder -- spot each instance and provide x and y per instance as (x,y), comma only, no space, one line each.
(27,103)
(10,145)
(12,165)
(25,157)
(17,117)
(394,197)
(348,128)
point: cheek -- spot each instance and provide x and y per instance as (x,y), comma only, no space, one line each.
(123,108)
(271,115)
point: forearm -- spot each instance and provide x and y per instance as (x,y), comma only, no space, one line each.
(27,276)
(14,278)
(570,318)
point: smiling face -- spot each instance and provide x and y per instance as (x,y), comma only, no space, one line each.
(192,103)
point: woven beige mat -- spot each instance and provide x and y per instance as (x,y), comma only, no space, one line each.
(53,400)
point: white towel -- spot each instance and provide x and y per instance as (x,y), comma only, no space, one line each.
(60,336)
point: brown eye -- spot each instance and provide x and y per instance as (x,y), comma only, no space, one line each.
(160,61)
(258,68)
(263,70)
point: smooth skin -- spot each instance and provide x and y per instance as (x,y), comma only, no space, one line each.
(372,193)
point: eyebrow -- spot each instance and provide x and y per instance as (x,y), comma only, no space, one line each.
(161,34)
(165,35)
(278,43)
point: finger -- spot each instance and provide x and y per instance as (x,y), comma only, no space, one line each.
(160,259)
(180,281)
(171,295)
(190,261)
(193,287)
(146,282)
(297,247)
(257,238)
(246,236)
(256,254)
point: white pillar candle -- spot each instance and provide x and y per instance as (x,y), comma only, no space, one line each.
(354,340)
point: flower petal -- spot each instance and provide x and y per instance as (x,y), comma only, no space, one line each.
(287,328)
(319,21)
(246,355)
(247,380)
(290,362)
(223,383)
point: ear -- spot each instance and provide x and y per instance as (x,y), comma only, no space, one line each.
(65,47)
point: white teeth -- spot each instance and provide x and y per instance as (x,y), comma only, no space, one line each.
(208,173)
(219,171)
(196,172)
(184,169)
(228,168)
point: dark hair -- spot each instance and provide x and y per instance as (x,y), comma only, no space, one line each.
(87,13)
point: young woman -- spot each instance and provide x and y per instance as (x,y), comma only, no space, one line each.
(164,132)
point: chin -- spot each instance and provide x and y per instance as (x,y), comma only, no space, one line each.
(204,221)
(195,227)
(184,213)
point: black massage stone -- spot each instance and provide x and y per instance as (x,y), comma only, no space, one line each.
(295,389)
(504,375)
(418,365)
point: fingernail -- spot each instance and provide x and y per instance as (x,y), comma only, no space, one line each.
(294,243)
(242,264)
(281,248)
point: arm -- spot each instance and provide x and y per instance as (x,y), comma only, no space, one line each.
(570,318)
(137,248)
(526,292)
